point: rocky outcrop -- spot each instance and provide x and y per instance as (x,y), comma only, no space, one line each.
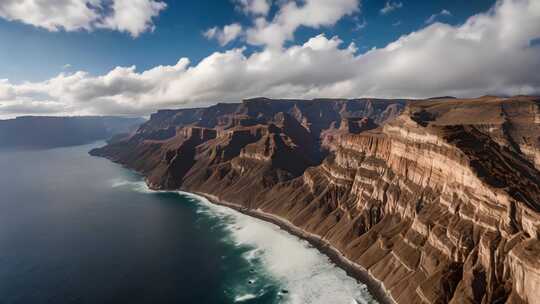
(440,204)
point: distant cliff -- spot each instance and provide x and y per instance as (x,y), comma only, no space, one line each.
(48,132)
(438,200)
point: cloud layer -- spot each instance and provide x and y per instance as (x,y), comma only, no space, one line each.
(130,16)
(443,13)
(311,13)
(290,15)
(226,35)
(255,7)
(491,53)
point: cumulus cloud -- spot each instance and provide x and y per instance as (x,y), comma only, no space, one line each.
(468,60)
(291,15)
(390,6)
(433,17)
(130,16)
(254,7)
(226,35)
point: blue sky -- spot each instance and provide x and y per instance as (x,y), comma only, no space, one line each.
(131,57)
(30,53)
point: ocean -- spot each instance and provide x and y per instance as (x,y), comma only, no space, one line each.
(80,229)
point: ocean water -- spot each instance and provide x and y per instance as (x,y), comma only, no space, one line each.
(80,229)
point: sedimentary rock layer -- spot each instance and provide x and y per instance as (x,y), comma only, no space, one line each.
(439,200)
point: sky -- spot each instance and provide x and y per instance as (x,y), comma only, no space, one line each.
(132,57)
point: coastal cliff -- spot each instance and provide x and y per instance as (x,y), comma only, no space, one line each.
(437,200)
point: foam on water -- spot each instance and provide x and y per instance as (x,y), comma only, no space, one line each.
(252,254)
(308,275)
(245,297)
(138,186)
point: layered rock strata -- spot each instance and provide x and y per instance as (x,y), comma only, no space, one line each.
(439,201)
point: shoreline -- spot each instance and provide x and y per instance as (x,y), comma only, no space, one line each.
(356,271)
(375,287)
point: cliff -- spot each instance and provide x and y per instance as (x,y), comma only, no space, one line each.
(438,200)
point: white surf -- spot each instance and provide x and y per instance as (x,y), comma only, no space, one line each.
(309,277)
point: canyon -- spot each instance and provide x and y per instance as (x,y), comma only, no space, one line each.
(436,200)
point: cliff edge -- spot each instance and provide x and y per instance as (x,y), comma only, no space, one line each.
(438,200)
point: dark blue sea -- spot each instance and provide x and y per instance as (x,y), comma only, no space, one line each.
(80,229)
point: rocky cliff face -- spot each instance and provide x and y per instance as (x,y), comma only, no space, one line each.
(438,200)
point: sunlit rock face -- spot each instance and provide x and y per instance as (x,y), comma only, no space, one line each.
(439,200)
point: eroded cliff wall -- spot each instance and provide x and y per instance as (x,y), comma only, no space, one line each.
(441,204)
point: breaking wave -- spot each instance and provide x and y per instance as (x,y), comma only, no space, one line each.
(305,275)
(308,276)
(138,186)
(245,297)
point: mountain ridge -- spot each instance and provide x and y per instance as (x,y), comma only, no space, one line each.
(37,132)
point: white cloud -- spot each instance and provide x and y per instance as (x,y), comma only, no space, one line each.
(433,17)
(67,66)
(133,16)
(290,16)
(255,7)
(226,35)
(390,6)
(130,16)
(52,15)
(359,25)
(6,90)
(491,53)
